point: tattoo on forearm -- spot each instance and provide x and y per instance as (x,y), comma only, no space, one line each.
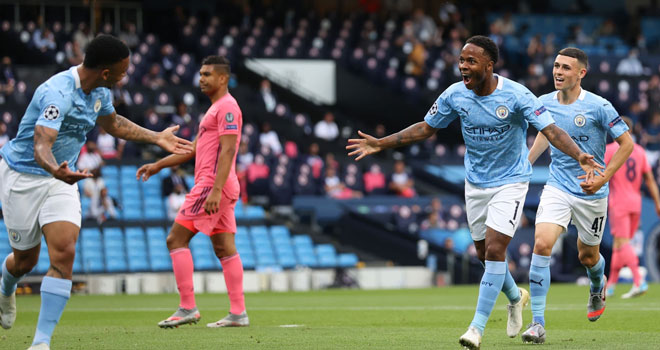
(128,130)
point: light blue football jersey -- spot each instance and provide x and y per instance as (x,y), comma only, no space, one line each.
(588,121)
(60,104)
(494,129)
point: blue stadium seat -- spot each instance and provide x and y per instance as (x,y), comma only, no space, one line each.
(154,213)
(159,256)
(307,258)
(287,260)
(190,181)
(347,260)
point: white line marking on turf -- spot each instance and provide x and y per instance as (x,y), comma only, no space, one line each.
(291,325)
(567,307)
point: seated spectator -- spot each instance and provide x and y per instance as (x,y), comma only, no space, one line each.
(74,54)
(327,128)
(336,189)
(401,183)
(175,200)
(108,146)
(630,65)
(154,78)
(314,160)
(129,35)
(90,159)
(44,41)
(257,176)
(7,76)
(434,220)
(83,35)
(177,177)
(101,206)
(267,97)
(269,138)
(374,180)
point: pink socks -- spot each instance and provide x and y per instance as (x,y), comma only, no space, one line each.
(233,270)
(624,256)
(182,264)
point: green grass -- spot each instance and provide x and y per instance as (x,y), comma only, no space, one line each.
(339,319)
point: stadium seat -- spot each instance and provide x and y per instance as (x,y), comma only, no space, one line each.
(347,260)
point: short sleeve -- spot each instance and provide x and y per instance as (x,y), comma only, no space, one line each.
(228,120)
(611,121)
(441,113)
(53,107)
(106,103)
(533,110)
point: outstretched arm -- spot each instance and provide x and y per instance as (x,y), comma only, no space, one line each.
(150,169)
(369,145)
(118,126)
(560,139)
(539,146)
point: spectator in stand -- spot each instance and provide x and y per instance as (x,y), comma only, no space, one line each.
(336,189)
(108,145)
(331,162)
(154,78)
(243,161)
(4,138)
(631,64)
(423,26)
(83,35)
(401,183)
(653,91)
(374,180)
(101,206)
(7,76)
(44,41)
(433,221)
(183,118)
(267,97)
(269,138)
(651,139)
(177,177)
(175,200)
(129,35)
(314,160)
(327,128)
(74,54)
(90,159)
(505,25)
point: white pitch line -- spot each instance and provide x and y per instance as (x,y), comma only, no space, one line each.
(568,307)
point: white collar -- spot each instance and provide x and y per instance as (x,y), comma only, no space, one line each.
(76,76)
(583,94)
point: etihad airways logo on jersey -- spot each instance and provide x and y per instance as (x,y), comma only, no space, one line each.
(487,134)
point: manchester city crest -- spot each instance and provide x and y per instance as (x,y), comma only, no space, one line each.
(97,106)
(580,120)
(502,112)
(14,236)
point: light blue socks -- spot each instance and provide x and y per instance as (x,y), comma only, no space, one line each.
(489,289)
(8,282)
(55,292)
(539,284)
(596,274)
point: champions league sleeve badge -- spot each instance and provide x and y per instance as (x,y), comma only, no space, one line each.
(229,117)
(51,112)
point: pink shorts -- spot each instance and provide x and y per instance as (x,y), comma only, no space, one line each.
(192,215)
(624,225)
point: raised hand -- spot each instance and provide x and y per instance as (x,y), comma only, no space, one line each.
(64,173)
(146,171)
(363,147)
(173,144)
(590,167)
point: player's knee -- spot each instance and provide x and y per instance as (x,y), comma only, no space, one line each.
(495,252)
(223,250)
(588,258)
(174,242)
(542,247)
(63,253)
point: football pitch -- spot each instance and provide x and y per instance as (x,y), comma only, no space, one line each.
(339,319)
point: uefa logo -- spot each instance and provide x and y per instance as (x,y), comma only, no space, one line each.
(502,112)
(580,120)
